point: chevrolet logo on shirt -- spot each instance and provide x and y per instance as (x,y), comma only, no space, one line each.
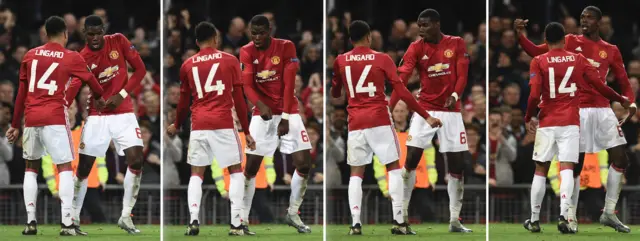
(266,75)
(108,73)
(594,63)
(439,67)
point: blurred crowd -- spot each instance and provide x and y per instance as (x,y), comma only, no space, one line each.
(511,147)
(402,32)
(17,38)
(233,34)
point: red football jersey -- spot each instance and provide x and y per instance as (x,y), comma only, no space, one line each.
(443,69)
(109,65)
(265,71)
(556,79)
(363,72)
(602,55)
(46,73)
(209,77)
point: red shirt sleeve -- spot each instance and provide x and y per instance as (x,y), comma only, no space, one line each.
(238,96)
(73,90)
(336,80)
(247,76)
(462,67)
(535,83)
(291,64)
(18,110)
(133,58)
(185,97)
(617,66)
(529,47)
(398,86)
(592,77)
(78,68)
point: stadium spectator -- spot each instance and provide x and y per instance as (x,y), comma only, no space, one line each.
(6,149)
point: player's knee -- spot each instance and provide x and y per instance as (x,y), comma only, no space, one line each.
(303,167)
(413,157)
(619,158)
(456,163)
(252,165)
(33,164)
(134,160)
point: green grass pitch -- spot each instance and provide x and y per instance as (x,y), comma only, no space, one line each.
(97,232)
(264,232)
(586,232)
(430,231)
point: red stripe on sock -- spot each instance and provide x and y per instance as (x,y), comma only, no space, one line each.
(236,171)
(617,168)
(65,169)
(457,176)
(134,171)
(391,168)
(565,168)
(31,170)
(300,174)
(198,175)
(539,173)
(356,175)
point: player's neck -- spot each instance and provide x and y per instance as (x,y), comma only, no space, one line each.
(206,46)
(267,44)
(434,40)
(56,41)
(361,45)
(592,36)
(558,46)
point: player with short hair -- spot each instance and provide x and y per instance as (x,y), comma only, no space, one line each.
(556,76)
(370,127)
(443,64)
(269,67)
(212,78)
(599,127)
(107,57)
(44,79)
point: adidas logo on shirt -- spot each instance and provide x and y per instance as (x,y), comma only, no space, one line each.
(255,61)
(579,49)
(425,57)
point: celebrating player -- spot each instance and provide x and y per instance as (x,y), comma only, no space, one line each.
(599,127)
(46,124)
(269,67)
(107,57)
(212,131)
(370,129)
(556,76)
(443,63)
